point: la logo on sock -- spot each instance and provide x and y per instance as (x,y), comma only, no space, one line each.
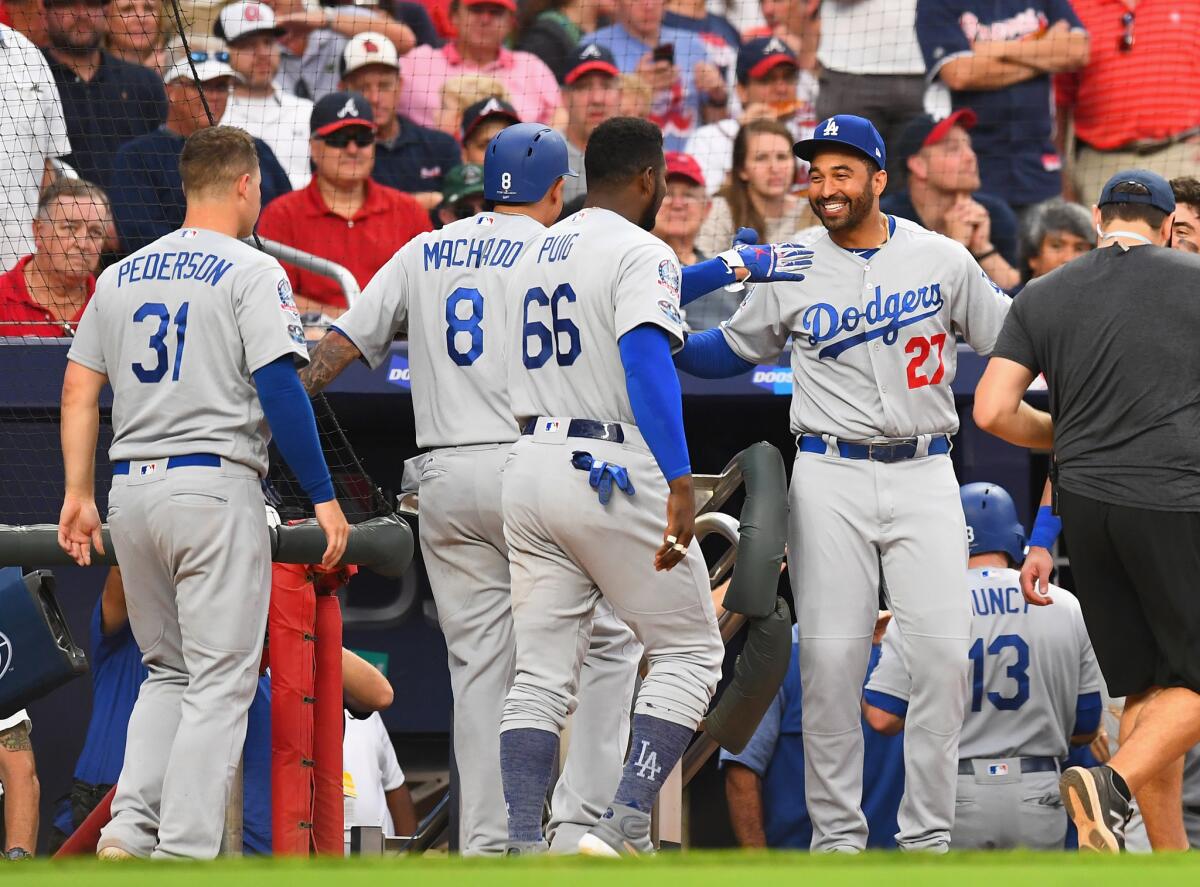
(647,764)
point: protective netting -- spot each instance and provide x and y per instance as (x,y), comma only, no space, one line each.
(1001,121)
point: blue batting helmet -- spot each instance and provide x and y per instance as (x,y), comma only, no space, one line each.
(992,523)
(522,162)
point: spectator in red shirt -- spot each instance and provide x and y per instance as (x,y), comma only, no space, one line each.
(342,215)
(45,293)
(1136,103)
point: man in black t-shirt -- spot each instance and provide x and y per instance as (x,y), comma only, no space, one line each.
(1114,333)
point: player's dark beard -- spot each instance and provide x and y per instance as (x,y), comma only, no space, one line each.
(859,210)
(69,44)
(650,216)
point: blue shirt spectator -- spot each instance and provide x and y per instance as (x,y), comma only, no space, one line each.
(416,158)
(147,191)
(776,755)
(996,57)
(120,102)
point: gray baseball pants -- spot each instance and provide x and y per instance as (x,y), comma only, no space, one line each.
(1006,810)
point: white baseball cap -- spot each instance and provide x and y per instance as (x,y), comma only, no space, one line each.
(209,66)
(369,48)
(246,17)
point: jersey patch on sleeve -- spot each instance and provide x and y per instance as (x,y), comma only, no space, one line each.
(286,302)
(669,309)
(669,276)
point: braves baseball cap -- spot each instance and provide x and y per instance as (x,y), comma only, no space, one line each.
(762,55)
(924,130)
(510,5)
(850,130)
(684,166)
(462,181)
(339,110)
(209,66)
(238,20)
(485,109)
(369,48)
(1159,194)
(589,57)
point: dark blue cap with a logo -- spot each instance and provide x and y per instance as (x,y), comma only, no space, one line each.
(757,58)
(1158,190)
(845,129)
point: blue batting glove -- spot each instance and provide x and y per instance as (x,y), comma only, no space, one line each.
(771,261)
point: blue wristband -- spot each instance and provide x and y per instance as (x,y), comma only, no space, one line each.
(1046,528)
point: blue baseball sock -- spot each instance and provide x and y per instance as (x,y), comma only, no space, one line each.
(656,748)
(526,767)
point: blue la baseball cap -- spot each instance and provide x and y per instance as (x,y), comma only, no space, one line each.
(854,132)
(1159,194)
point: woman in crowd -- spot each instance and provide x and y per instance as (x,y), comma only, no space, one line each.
(1054,233)
(551,29)
(137,32)
(759,194)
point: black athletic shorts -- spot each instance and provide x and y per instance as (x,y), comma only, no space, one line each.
(1137,577)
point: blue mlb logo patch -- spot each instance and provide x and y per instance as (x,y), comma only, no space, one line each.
(997,769)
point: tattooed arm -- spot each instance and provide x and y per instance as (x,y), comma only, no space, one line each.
(332,355)
(21,792)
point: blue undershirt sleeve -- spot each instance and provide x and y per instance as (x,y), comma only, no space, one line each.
(289,413)
(703,278)
(1088,708)
(655,397)
(707,355)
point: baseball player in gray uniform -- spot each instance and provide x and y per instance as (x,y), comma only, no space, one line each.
(1034,690)
(199,337)
(873,354)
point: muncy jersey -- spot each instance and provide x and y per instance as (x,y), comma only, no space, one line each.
(873,339)
(1028,667)
(446,290)
(581,285)
(179,327)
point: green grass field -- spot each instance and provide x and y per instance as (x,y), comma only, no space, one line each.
(693,869)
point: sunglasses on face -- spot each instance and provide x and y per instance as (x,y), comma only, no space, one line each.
(1125,42)
(343,137)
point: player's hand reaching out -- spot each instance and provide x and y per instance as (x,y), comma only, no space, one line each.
(79,529)
(681,523)
(337,532)
(1035,576)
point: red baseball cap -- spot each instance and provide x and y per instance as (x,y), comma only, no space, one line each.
(510,5)
(964,117)
(684,166)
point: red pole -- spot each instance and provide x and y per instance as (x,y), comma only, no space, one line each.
(291,631)
(328,801)
(84,839)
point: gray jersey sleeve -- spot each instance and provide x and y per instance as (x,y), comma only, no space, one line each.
(890,676)
(758,331)
(647,291)
(267,317)
(979,306)
(380,312)
(87,346)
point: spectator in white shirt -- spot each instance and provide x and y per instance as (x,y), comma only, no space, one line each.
(372,781)
(257,105)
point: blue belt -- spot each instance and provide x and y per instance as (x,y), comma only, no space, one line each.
(892,451)
(966,766)
(195,460)
(585,428)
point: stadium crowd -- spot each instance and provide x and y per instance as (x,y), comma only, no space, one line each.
(1002,121)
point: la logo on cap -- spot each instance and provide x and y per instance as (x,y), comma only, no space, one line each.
(831,127)
(776,45)
(349,109)
(592,51)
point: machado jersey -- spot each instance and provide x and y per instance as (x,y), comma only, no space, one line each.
(581,285)
(446,290)
(873,337)
(1028,668)
(179,327)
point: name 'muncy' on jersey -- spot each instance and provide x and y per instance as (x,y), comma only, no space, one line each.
(179,327)
(446,290)
(581,285)
(1028,667)
(873,339)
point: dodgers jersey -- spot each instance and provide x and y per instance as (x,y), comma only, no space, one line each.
(446,290)
(873,339)
(179,327)
(1029,666)
(581,285)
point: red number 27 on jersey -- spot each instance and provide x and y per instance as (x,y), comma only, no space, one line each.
(920,347)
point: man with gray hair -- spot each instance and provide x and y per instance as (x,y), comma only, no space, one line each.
(1055,232)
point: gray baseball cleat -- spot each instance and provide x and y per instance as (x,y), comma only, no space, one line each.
(526,848)
(1096,807)
(621,831)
